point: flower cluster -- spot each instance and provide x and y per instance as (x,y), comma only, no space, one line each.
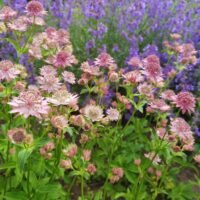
(90,124)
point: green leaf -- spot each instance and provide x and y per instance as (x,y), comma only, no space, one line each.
(23,156)
(18,195)
(54,190)
(99,195)
(8,165)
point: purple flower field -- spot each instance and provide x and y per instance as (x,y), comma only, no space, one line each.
(99,100)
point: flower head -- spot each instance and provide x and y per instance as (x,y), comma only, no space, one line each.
(180,128)
(30,103)
(47,70)
(104,60)
(159,104)
(64,59)
(59,121)
(17,135)
(113,114)
(152,67)
(93,112)
(91,169)
(19,24)
(49,83)
(62,97)
(7,13)
(185,101)
(135,62)
(168,95)
(35,8)
(8,71)
(69,77)
(133,77)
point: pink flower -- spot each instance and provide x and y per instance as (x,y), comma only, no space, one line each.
(35,51)
(90,69)
(30,103)
(159,104)
(197,159)
(8,71)
(66,164)
(104,60)
(71,151)
(62,97)
(87,154)
(62,37)
(153,157)
(118,171)
(19,24)
(185,101)
(7,13)
(113,76)
(64,59)
(93,112)
(135,62)
(91,169)
(133,77)
(47,70)
(35,8)
(49,83)
(59,121)
(146,90)
(152,67)
(180,128)
(168,95)
(117,174)
(69,77)
(17,135)
(113,114)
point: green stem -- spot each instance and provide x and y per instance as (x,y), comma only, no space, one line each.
(82,188)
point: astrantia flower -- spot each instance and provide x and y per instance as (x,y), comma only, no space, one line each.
(145,89)
(104,60)
(185,101)
(153,157)
(49,83)
(90,69)
(59,121)
(19,24)
(7,13)
(17,135)
(197,159)
(133,77)
(180,128)
(35,8)
(152,67)
(30,103)
(35,51)
(135,62)
(47,69)
(94,113)
(69,77)
(64,59)
(71,150)
(159,104)
(62,36)
(62,97)
(113,114)
(8,70)
(91,169)
(168,95)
